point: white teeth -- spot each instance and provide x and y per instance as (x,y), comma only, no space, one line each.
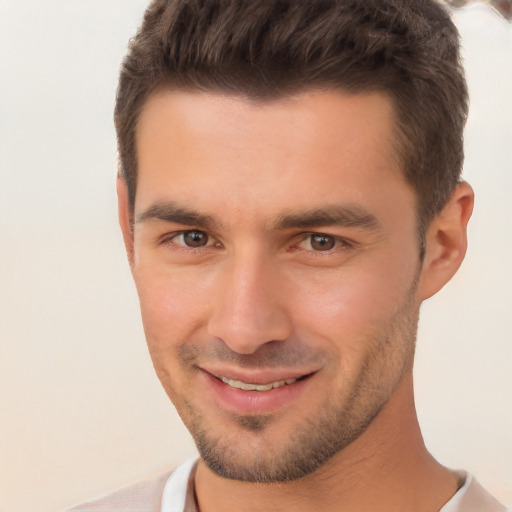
(238,384)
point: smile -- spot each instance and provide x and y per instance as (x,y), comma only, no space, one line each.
(254,391)
(238,384)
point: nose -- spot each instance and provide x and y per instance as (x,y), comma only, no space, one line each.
(249,309)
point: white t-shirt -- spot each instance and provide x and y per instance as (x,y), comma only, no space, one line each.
(174,493)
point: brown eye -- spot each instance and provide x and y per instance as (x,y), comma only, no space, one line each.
(322,242)
(195,239)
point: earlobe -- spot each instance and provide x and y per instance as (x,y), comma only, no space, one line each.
(446,241)
(124,214)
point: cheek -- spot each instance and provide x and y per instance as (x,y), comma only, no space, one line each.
(353,320)
(172,305)
(347,308)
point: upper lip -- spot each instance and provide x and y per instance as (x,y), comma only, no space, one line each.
(255,376)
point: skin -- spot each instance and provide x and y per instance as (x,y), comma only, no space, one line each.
(279,239)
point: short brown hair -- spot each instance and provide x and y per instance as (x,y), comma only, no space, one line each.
(266,49)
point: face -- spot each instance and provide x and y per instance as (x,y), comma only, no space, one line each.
(275,254)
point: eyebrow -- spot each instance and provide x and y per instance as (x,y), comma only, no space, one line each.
(344,216)
(172,212)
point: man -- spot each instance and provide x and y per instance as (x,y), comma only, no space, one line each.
(289,194)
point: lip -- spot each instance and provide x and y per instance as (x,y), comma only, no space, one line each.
(247,402)
(255,376)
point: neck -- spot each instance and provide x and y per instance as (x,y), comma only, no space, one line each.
(387,468)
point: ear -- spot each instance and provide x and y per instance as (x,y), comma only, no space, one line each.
(125,217)
(446,241)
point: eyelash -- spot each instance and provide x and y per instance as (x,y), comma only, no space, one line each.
(169,240)
(340,244)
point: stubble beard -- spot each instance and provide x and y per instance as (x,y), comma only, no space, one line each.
(315,440)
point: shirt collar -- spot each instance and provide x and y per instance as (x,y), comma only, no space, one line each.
(179,495)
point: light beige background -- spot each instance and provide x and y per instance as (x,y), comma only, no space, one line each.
(81,411)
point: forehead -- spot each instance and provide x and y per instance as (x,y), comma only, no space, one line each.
(324,116)
(265,156)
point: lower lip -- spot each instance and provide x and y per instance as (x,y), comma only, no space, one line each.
(240,401)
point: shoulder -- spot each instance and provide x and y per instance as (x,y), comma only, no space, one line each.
(472,497)
(143,496)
